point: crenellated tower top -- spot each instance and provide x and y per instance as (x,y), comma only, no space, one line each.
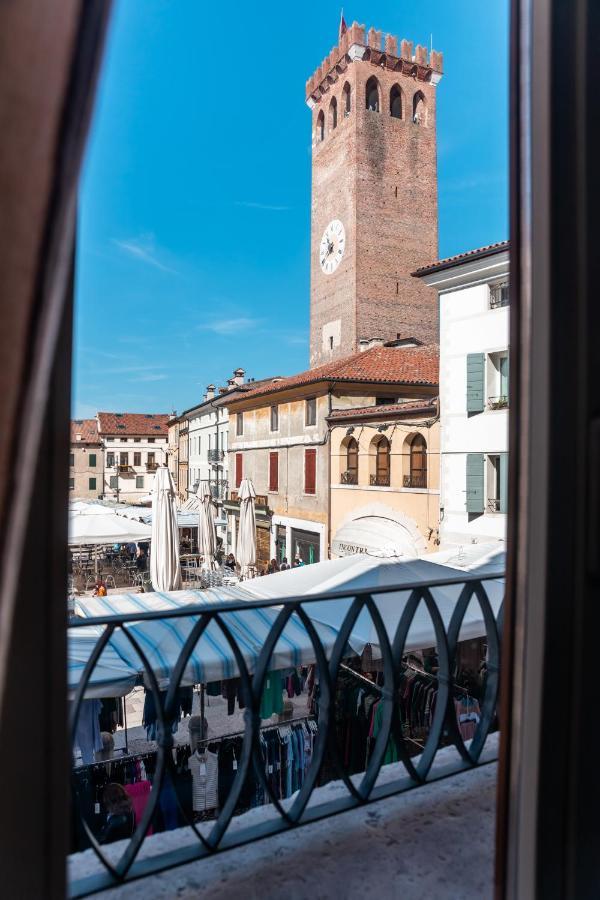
(379,49)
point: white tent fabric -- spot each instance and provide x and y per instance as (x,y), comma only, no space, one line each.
(165,568)
(212,659)
(360,571)
(110,677)
(108,528)
(375,535)
(207,533)
(246,545)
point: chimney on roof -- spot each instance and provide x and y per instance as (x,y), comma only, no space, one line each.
(238,376)
(210,392)
(223,390)
(231,383)
(369,343)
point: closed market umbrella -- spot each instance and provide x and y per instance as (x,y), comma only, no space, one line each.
(246,544)
(207,533)
(165,568)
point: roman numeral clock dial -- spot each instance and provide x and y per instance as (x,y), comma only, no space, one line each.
(333,244)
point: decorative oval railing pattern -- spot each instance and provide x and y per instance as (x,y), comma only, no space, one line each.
(443,731)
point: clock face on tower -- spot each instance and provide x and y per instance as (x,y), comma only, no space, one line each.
(333,244)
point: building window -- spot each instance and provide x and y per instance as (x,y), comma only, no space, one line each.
(372,94)
(110,459)
(310,417)
(333,114)
(139,481)
(418,463)
(71,484)
(71,459)
(151,440)
(497,380)
(136,440)
(310,471)
(499,295)
(239,469)
(92,460)
(320,127)
(91,484)
(123,458)
(114,482)
(497,482)
(381,476)
(274,418)
(350,462)
(274,472)
(137,459)
(419,109)
(396,102)
(347,98)
(239,424)
(151,461)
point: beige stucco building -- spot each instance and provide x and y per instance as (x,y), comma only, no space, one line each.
(385,490)
(86,461)
(279,437)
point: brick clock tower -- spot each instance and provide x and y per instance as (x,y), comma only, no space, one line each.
(374,216)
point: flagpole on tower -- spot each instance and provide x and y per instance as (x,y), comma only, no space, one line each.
(343,26)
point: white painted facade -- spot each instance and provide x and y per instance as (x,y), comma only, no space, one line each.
(130,465)
(470,325)
(208,434)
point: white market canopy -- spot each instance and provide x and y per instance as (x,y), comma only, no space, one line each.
(375,535)
(105,528)
(111,677)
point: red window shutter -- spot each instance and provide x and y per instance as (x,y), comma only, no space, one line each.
(239,465)
(310,471)
(274,471)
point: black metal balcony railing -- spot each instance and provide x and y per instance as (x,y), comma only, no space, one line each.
(349,477)
(380,480)
(493,504)
(499,296)
(216,456)
(415,771)
(500,402)
(416,480)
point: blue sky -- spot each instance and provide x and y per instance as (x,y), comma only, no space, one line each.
(194,215)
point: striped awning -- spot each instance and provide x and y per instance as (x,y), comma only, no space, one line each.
(213,659)
(111,677)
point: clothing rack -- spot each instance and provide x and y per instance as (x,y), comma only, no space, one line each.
(223,737)
(454,687)
(115,759)
(361,677)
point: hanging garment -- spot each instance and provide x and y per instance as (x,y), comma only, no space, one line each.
(87,734)
(272,698)
(139,792)
(204,767)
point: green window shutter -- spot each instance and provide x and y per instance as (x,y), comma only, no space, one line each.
(475,381)
(475,470)
(504,376)
(92,462)
(503,482)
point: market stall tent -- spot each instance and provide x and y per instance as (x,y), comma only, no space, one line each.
(107,528)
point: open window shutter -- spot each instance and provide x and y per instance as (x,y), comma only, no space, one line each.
(475,381)
(475,470)
(273,471)
(238,469)
(310,471)
(503,482)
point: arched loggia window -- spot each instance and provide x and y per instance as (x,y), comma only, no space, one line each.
(418,462)
(350,473)
(396,102)
(381,476)
(419,109)
(372,94)
(320,127)
(333,114)
(347,99)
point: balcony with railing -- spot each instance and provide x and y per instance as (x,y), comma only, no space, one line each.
(415,480)
(151,466)
(493,504)
(500,402)
(381,479)
(410,748)
(349,477)
(499,296)
(125,469)
(216,456)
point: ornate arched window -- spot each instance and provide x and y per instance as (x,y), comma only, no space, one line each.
(418,462)
(419,109)
(372,94)
(333,114)
(350,472)
(396,102)
(347,99)
(381,476)
(320,126)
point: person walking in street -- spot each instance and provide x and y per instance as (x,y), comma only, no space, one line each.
(284,565)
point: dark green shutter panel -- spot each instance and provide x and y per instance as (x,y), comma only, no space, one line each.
(475,469)
(503,482)
(475,381)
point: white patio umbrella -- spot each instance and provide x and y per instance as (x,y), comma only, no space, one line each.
(246,544)
(165,569)
(207,533)
(107,528)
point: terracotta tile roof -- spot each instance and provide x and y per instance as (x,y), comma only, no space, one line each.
(138,424)
(426,405)
(87,429)
(462,257)
(379,365)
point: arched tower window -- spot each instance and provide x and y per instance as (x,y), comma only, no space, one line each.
(349,461)
(381,475)
(372,94)
(419,109)
(347,99)
(320,127)
(333,114)
(418,462)
(396,102)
